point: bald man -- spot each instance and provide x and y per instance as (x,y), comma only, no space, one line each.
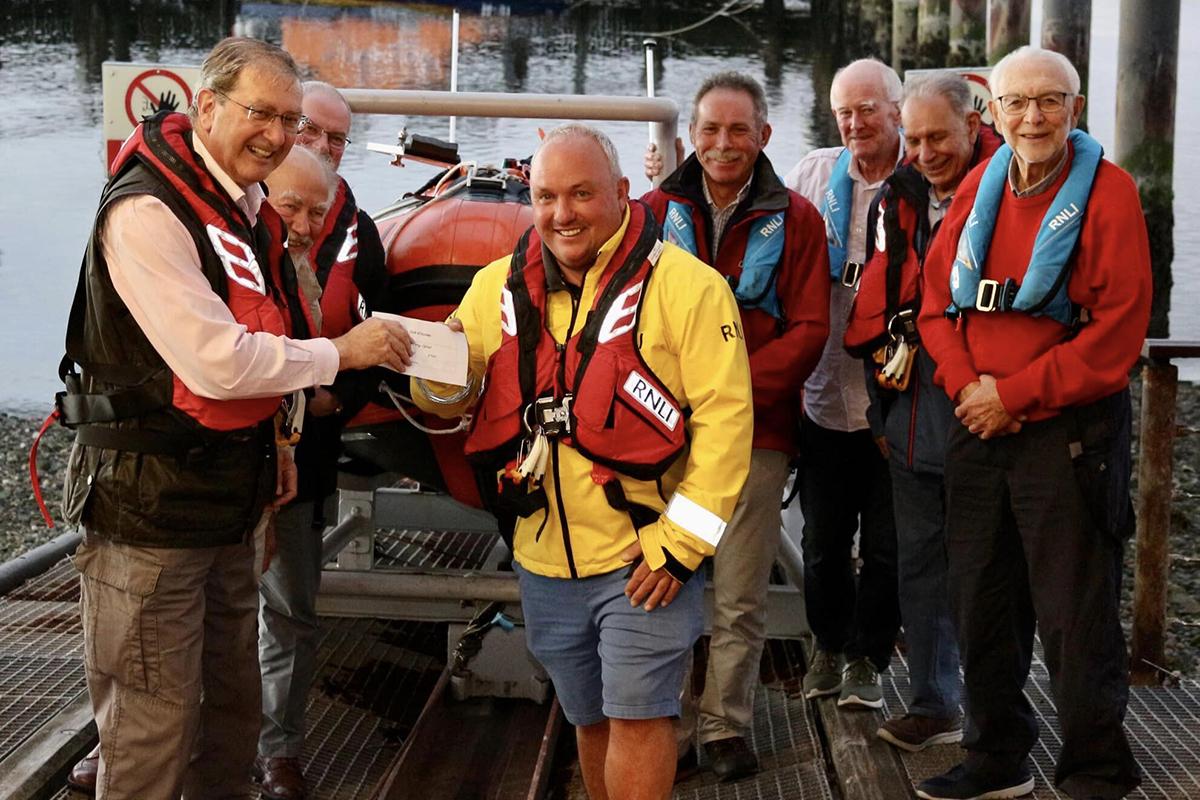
(843,477)
(339,261)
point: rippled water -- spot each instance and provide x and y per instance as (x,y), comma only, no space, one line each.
(51,154)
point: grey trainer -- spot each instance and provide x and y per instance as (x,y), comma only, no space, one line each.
(860,685)
(824,674)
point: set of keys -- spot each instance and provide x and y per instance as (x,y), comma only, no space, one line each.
(898,355)
(551,419)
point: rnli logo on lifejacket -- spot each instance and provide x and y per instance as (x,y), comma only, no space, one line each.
(652,400)
(1063,217)
(678,223)
(361,307)
(508,312)
(238,259)
(774,222)
(622,315)
(350,246)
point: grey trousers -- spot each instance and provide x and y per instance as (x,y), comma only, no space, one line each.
(288,629)
(741,570)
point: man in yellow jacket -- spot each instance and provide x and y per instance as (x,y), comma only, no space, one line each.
(615,415)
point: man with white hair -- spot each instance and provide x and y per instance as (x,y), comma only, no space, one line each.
(843,475)
(943,137)
(1034,339)
(614,424)
(340,266)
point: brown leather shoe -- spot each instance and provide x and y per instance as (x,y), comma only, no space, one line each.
(280,778)
(82,777)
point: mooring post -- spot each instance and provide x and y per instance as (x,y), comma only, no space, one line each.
(933,32)
(1147,58)
(877,25)
(968,33)
(1155,488)
(904,35)
(1067,29)
(1007,27)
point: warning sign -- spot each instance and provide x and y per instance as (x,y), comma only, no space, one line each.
(134,91)
(977,78)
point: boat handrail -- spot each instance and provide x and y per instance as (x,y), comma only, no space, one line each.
(661,112)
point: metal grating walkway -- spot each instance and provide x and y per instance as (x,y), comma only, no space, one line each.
(41,653)
(792,765)
(1163,727)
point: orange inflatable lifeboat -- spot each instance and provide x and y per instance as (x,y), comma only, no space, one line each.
(436,239)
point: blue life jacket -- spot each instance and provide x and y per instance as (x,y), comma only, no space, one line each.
(835,210)
(1043,290)
(760,263)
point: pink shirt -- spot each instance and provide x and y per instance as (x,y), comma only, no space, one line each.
(155,268)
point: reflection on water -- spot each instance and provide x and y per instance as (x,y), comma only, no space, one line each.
(51,53)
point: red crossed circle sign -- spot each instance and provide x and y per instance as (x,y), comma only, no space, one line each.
(148,89)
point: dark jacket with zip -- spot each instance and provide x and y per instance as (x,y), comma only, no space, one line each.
(782,352)
(917,421)
(142,470)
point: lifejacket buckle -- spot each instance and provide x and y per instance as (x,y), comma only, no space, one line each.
(553,415)
(988,296)
(903,326)
(851,272)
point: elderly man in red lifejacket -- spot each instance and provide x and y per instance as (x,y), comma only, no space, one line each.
(944,138)
(183,333)
(1035,304)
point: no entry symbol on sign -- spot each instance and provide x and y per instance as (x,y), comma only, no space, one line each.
(154,90)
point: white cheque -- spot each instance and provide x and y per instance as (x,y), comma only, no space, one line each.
(438,353)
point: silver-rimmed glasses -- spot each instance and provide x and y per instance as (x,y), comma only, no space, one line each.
(292,122)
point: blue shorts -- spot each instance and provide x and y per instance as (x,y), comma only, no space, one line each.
(606,658)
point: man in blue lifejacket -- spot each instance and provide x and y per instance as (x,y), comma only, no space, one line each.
(340,265)
(726,205)
(843,476)
(183,331)
(1035,304)
(944,137)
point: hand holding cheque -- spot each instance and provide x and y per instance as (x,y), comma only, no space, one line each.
(437,351)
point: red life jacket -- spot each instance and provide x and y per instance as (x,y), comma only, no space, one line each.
(621,415)
(889,292)
(335,255)
(245,266)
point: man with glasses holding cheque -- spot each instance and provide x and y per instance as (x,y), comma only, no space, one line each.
(182,330)
(1036,300)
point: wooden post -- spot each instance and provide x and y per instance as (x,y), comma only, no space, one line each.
(1007,27)
(877,29)
(1067,29)
(968,33)
(1155,487)
(933,33)
(1147,58)
(904,35)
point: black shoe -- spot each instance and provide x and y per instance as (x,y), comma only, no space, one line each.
(731,759)
(961,783)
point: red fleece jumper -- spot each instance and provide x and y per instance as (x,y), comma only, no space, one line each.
(781,356)
(1039,370)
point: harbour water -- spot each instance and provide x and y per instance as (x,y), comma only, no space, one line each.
(51,153)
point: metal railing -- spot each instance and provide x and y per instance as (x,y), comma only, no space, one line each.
(662,113)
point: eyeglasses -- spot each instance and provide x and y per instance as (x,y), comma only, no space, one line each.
(311,131)
(292,123)
(1048,103)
